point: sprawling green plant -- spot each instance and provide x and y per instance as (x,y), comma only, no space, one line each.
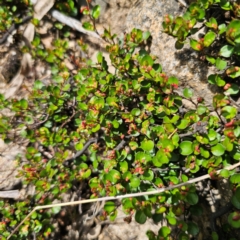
(13,13)
(123,132)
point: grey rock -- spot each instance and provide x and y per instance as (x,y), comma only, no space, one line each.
(8,166)
(183,64)
(120,229)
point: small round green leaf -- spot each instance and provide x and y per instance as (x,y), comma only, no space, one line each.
(228,144)
(86,174)
(38,84)
(136,112)
(211,59)
(162,209)
(226,5)
(146,35)
(113,215)
(147,145)
(88,26)
(112,101)
(233,72)
(237,131)
(134,182)
(212,134)
(50,58)
(56,210)
(123,166)
(83,166)
(220,64)
(226,51)
(183,124)
(115,123)
(148,175)
(114,175)
(237,194)
(233,30)
(229,112)
(222,28)
(201,109)
(209,38)
(187,93)
(232,90)
(192,198)
(235,179)
(224,173)
(184,178)
(164,231)
(24,103)
(109,207)
(96,128)
(96,12)
(204,153)
(78,146)
(186,148)
(193,228)
(216,79)
(234,219)
(140,217)
(160,159)
(172,220)
(133,145)
(218,150)
(174,179)
(99,57)
(146,61)
(236,199)
(179,45)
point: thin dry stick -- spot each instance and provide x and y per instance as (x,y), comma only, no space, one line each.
(73,23)
(172,133)
(198,179)
(183,3)
(10,194)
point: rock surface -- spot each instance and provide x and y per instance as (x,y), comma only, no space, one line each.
(120,229)
(183,64)
(8,167)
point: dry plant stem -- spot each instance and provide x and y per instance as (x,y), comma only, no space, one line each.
(10,194)
(92,19)
(73,23)
(69,119)
(160,190)
(186,134)
(38,124)
(183,3)
(219,116)
(172,133)
(79,153)
(122,143)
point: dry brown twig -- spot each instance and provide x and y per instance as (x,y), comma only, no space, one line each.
(10,194)
(74,24)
